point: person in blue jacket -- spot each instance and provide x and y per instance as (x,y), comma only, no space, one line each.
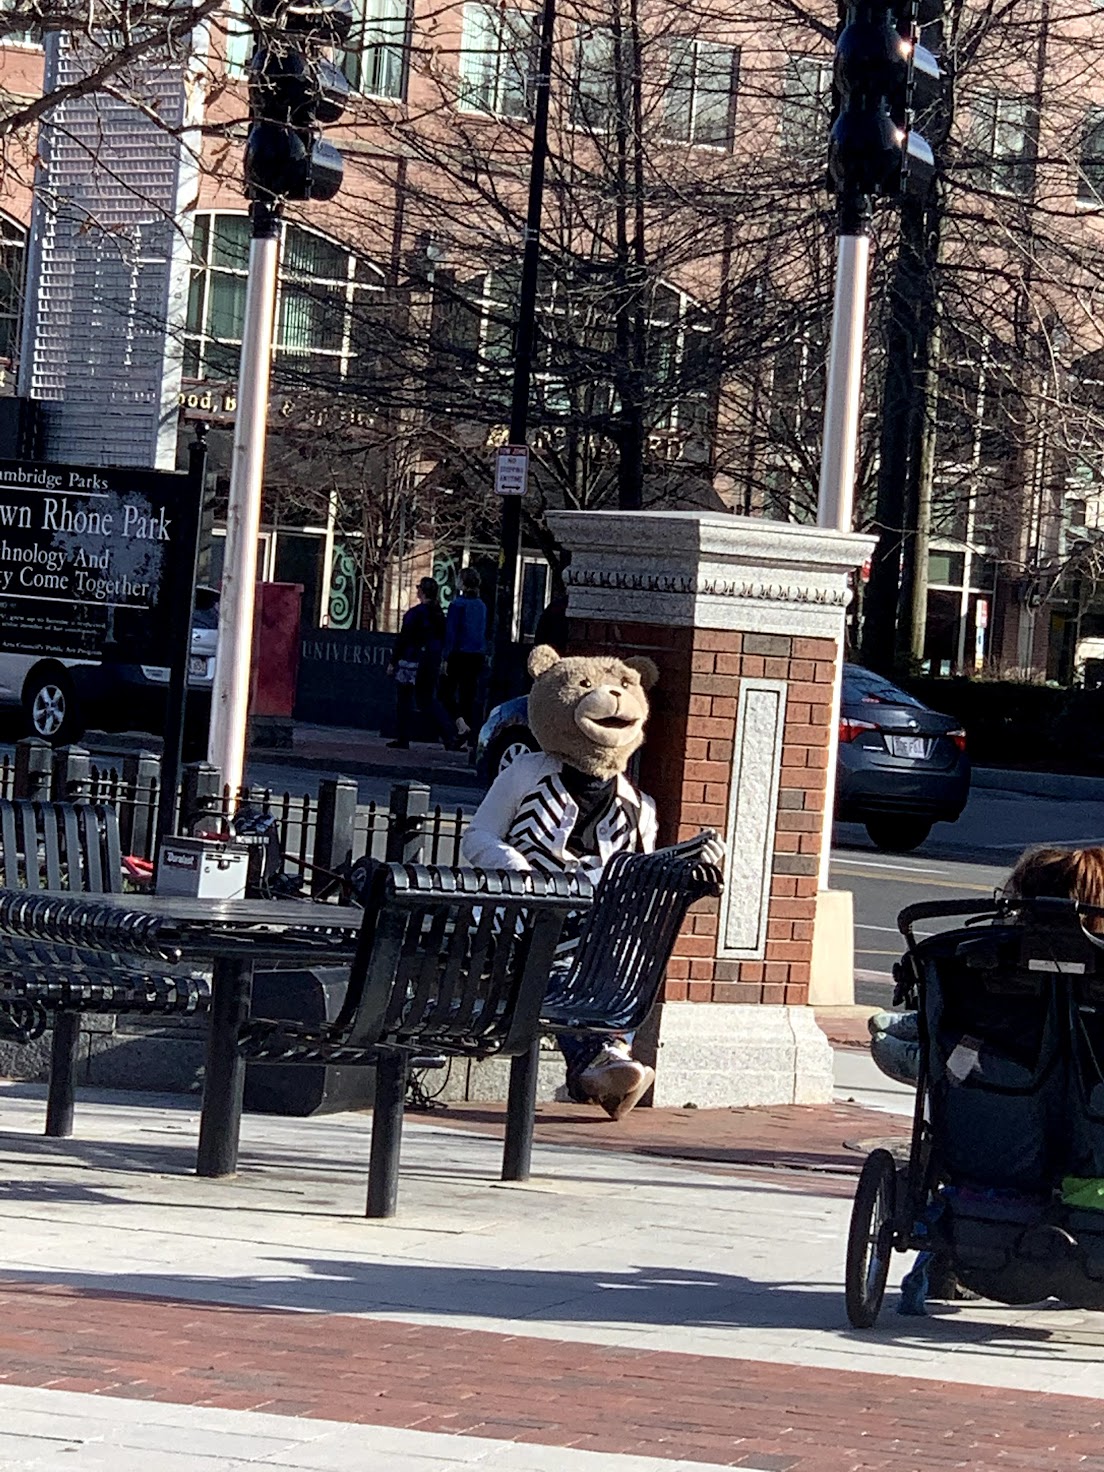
(465,651)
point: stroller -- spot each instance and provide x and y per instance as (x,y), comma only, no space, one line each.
(1004,1185)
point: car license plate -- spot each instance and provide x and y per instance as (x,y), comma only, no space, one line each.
(197,666)
(913,747)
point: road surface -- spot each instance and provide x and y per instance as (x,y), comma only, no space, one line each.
(970,857)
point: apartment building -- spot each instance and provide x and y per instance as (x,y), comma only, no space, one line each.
(685,296)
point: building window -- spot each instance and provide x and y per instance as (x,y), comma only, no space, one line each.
(806,103)
(498,60)
(19,30)
(327,311)
(239,40)
(13,256)
(594,98)
(1001,136)
(375,60)
(699,100)
(1090,174)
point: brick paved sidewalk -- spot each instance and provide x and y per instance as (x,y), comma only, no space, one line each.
(375,1372)
(824,1138)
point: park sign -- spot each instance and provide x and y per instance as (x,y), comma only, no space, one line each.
(96,562)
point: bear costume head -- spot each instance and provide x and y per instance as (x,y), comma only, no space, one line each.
(588,711)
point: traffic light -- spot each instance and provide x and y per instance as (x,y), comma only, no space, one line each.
(881,75)
(293,92)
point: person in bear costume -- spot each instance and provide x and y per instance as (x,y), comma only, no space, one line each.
(570,807)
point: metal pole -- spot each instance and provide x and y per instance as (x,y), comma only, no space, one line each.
(233,666)
(836,499)
(843,403)
(176,702)
(524,341)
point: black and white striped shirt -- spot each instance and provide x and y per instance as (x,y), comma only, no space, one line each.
(527,817)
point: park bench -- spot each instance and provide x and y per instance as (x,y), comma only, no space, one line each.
(458,962)
(66,848)
(448,962)
(53,965)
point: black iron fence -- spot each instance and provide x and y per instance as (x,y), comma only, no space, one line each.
(320,836)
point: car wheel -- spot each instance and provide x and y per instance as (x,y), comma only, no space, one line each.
(898,835)
(508,747)
(50,706)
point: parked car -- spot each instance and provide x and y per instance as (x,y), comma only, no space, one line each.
(901,767)
(61,698)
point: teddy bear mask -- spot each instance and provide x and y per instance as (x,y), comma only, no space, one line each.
(589,711)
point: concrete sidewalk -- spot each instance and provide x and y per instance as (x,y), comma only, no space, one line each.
(355,753)
(674,1312)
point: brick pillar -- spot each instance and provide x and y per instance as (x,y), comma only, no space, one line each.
(744,620)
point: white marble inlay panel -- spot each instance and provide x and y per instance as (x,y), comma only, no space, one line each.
(752,817)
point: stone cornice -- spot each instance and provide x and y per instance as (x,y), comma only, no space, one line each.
(712,587)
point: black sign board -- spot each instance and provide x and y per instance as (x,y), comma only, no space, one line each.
(96,562)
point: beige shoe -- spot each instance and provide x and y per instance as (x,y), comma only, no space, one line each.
(616,1080)
(616,1107)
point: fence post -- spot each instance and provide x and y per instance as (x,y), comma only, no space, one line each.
(72,774)
(138,804)
(200,792)
(34,769)
(409,804)
(335,822)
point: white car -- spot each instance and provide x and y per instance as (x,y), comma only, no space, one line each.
(61,698)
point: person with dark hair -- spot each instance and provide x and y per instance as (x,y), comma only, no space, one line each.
(1040,873)
(465,650)
(416,666)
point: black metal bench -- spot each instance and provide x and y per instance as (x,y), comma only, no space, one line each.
(61,848)
(458,962)
(452,962)
(54,963)
(449,961)
(615,975)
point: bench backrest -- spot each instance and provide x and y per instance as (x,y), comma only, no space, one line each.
(459,957)
(628,936)
(60,846)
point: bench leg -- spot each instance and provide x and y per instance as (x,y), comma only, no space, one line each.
(63,1074)
(224,1076)
(387,1119)
(521,1107)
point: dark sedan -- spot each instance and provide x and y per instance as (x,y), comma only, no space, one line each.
(901,766)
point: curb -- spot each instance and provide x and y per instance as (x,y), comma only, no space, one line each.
(342,767)
(1040,784)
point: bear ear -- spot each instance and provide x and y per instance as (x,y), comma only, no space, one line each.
(542,659)
(645,668)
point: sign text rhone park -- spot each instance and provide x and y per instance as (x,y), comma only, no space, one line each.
(90,559)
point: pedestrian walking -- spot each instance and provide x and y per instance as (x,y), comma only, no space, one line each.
(465,652)
(416,668)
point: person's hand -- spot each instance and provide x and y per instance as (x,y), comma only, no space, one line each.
(714,850)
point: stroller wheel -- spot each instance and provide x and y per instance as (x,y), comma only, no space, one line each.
(870,1240)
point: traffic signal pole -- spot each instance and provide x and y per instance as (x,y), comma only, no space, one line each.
(873,151)
(843,402)
(840,438)
(233,665)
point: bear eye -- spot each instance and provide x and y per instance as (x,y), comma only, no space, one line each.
(625,683)
(584,684)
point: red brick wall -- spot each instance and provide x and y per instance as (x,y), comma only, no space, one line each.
(686,766)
